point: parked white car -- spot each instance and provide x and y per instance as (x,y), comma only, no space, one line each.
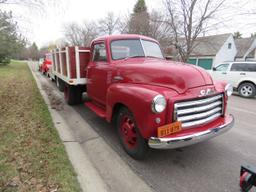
(241,75)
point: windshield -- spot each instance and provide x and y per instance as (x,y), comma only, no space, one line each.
(122,49)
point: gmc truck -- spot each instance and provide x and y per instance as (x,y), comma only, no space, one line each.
(153,102)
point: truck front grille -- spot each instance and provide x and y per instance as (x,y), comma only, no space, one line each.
(198,111)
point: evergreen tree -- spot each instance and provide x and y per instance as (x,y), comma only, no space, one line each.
(237,35)
(253,34)
(33,52)
(11,42)
(140,21)
(140,6)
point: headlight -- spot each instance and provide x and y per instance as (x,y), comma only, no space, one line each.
(158,104)
(229,89)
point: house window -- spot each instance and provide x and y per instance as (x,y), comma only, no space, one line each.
(229,45)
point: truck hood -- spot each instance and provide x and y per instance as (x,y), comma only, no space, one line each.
(173,75)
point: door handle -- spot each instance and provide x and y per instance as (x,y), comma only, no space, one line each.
(118,78)
(242,73)
(224,73)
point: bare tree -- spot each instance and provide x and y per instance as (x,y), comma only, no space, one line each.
(189,19)
(80,35)
(73,34)
(89,32)
(108,25)
(35,4)
(123,24)
(159,29)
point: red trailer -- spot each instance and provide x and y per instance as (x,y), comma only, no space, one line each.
(69,69)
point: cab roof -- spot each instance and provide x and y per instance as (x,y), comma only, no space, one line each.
(123,36)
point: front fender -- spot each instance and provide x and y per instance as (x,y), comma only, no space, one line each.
(137,98)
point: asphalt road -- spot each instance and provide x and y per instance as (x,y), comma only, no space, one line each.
(210,166)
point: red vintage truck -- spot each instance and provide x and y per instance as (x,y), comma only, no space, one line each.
(46,64)
(153,102)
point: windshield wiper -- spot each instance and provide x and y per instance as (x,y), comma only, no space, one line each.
(154,57)
(134,56)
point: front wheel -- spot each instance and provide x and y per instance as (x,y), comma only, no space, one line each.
(132,141)
(247,90)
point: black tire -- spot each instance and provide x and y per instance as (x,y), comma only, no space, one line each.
(139,150)
(60,84)
(72,94)
(69,95)
(247,90)
(79,94)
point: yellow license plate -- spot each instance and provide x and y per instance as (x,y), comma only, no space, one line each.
(169,129)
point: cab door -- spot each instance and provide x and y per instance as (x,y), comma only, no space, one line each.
(98,73)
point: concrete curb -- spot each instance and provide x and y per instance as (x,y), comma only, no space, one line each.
(87,175)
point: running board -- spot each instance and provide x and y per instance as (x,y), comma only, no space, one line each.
(99,111)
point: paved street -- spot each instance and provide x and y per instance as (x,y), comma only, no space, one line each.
(210,166)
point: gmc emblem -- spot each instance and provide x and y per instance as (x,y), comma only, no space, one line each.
(205,92)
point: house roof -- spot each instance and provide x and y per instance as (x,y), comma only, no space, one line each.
(243,46)
(209,45)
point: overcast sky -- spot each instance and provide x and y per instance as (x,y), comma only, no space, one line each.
(45,26)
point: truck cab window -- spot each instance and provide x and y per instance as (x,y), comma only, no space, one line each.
(99,52)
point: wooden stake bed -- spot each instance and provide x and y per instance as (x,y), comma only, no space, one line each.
(69,64)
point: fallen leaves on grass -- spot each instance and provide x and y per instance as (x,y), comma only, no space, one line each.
(32,157)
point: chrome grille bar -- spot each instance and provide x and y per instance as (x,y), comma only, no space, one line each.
(199,115)
(202,121)
(198,102)
(198,111)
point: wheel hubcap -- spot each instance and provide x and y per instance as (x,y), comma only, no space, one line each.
(128,132)
(246,90)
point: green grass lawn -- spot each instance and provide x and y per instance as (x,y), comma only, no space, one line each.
(32,156)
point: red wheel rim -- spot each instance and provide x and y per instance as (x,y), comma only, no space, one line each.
(128,131)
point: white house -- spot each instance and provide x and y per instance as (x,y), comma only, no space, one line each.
(246,49)
(209,51)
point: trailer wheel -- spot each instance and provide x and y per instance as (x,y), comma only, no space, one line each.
(60,84)
(70,94)
(79,94)
(132,141)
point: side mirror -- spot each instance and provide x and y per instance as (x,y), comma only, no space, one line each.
(214,68)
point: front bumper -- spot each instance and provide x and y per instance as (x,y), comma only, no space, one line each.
(190,139)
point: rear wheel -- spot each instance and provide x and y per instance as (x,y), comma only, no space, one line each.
(60,84)
(72,94)
(247,90)
(132,141)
